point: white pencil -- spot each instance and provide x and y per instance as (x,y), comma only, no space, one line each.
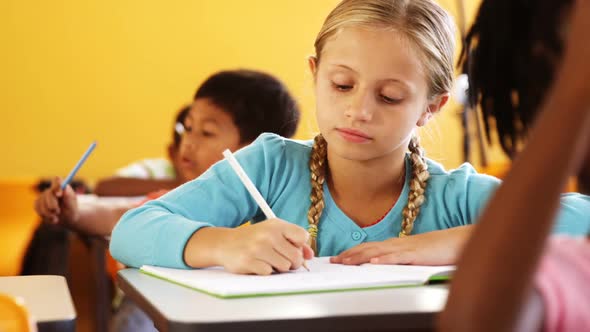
(233,162)
(249,185)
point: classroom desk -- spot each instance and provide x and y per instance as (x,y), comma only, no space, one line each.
(176,308)
(98,247)
(46,297)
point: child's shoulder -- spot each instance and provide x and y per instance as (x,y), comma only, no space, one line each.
(461,178)
(276,143)
(149,168)
(274,153)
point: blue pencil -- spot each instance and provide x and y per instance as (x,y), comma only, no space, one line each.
(78,165)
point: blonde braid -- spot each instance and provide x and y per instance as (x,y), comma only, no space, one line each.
(417,187)
(317,167)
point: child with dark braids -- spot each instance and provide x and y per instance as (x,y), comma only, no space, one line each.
(382,68)
(511,66)
(512,275)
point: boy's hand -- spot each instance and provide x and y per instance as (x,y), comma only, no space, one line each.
(58,206)
(270,245)
(432,248)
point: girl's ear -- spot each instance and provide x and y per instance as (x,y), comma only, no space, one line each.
(434,106)
(312,61)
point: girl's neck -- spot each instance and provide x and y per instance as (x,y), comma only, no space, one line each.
(366,180)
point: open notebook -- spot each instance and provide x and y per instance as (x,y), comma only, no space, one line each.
(322,277)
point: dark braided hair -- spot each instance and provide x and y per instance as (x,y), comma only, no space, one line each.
(510,55)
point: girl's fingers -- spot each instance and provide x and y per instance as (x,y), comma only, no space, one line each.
(351,252)
(295,234)
(258,267)
(346,255)
(290,252)
(275,260)
(364,256)
(307,252)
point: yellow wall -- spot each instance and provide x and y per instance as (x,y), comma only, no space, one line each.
(117,71)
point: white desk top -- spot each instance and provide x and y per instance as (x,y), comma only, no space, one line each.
(176,308)
(46,297)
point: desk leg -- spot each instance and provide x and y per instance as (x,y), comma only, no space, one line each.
(102,285)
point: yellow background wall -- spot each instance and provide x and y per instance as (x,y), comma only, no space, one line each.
(117,71)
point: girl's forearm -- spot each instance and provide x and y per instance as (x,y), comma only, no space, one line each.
(202,247)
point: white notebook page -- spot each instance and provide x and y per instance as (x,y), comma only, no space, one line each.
(322,276)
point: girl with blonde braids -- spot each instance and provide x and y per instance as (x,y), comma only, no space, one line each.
(382,68)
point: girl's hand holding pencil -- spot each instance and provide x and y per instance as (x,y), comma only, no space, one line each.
(271,245)
(262,248)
